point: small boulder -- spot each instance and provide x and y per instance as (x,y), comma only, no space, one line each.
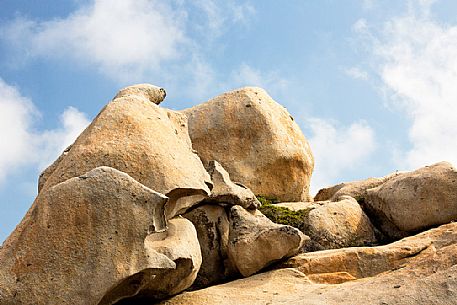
(333,225)
(413,201)
(149,92)
(256,140)
(256,242)
(355,189)
(228,192)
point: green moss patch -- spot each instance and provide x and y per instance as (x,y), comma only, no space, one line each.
(282,215)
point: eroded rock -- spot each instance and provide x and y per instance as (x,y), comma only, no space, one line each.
(227,192)
(148,92)
(256,141)
(212,225)
(137,137)
(255,241)
(88,227)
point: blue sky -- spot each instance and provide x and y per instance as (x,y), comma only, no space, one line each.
(371,83)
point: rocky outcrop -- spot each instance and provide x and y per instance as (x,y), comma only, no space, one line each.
(333,224)
(255,242)
(256,141)
(355,189)
(103,226)
(212,225)
(414,201)
(416,270)
(136,136)
(225,191)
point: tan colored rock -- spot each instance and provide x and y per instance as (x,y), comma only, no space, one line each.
(256,242)
(227,192)
(414,201)
(148,92)
(256,141)
(212,225)
(51,168)
(333,225)
(137,137)
(97,234)
(355,189)
(417,270)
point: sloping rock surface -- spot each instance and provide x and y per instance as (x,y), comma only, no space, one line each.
(417,270)
(256,141)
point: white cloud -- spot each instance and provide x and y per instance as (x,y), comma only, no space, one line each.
(127,40)
(53,142)
(357,73)
(338,149)
(418,64)
(118,36)
(21,145)
(16,116)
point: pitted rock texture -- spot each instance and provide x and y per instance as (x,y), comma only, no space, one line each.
(256,140)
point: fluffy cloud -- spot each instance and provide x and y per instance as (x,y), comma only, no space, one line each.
(118,36)
(21,145)
(338,149)
(127,39)
(419,67)
(16,115)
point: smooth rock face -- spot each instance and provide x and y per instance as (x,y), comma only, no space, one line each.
(148,92)
(413,201)
(212,225)
(137,137)
(333,225)
(85,237)
(417,270)
(256,141)
(225,191)
(255,242)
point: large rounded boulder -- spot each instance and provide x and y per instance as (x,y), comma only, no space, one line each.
(135,136)
(256,140)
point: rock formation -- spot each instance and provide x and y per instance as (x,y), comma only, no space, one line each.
(256,140)
(131,214)
(417,270)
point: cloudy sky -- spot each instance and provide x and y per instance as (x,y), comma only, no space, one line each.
(372,84)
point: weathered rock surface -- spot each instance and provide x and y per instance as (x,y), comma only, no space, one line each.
(180,245)
(228,192)
(92,234)
(255,241)
(135,136)
(212,225)
(414,201)
(354,189)
(256,141)
(417,270)
(148,92)
(333,225)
